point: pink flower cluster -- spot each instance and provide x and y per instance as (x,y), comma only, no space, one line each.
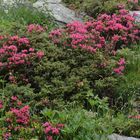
(15,101)
(56,34)
(133,1)
(1,104)
(22,115)
(51,131)
(121,66)
(7,135)
(135,117)
(16,51)
(35,28)
(109,32)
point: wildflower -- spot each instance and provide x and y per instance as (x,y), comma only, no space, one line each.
(24,51)
(115,38)
(19,103)
(119,70)
(23,40)
(121,61)
(1,104)
(46,124)
(22,115)
(14,38)
(40,54)
(14,98)
(1,64)
(49,138)
(55,131)
(35,28)
(7,135)
(99,46)
(60,125)
(31,49)
(1,37)
(12,79)
(135,117)
(47,129)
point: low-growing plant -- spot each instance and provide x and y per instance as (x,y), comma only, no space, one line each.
(95,7)
(81,124)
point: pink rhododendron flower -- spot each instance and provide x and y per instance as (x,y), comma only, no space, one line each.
(1,37)
(23,40)
(51,131)
(133,1)
(24,51)
(60,125)
(19,103)
(121,61)
(49,138)
(1,64)
(1,104)
(14,38)
(135,117)
(40,54)
(115,38)
(55,131)
(14,98)
(119,70)
(46,124)
(22,115)
(31,49)
(12,79)
(35,28)
(7,135)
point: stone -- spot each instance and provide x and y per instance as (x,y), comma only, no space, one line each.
(58,10)
(53,1)
(118,137)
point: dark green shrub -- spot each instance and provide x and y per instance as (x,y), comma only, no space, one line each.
(72,74)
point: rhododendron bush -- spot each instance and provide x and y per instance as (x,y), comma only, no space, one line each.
(107,32)
(18,119)
(17,55)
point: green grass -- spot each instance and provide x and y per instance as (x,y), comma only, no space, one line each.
(21,16)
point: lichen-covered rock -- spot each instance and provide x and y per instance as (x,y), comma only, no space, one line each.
(118,137)
(58,10)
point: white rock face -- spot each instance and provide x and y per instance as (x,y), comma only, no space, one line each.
(118,137)
(10,2)
(58,10)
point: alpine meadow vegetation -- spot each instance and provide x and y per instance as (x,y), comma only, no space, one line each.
(80,81)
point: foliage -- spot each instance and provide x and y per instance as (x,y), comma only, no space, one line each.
(81,124)
(24,15)
(16,56)
(129,90)
(71,82)
(74,74)
(107,32)
(96,7)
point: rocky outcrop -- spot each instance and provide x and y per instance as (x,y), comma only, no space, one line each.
(118,137)
(59,11)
